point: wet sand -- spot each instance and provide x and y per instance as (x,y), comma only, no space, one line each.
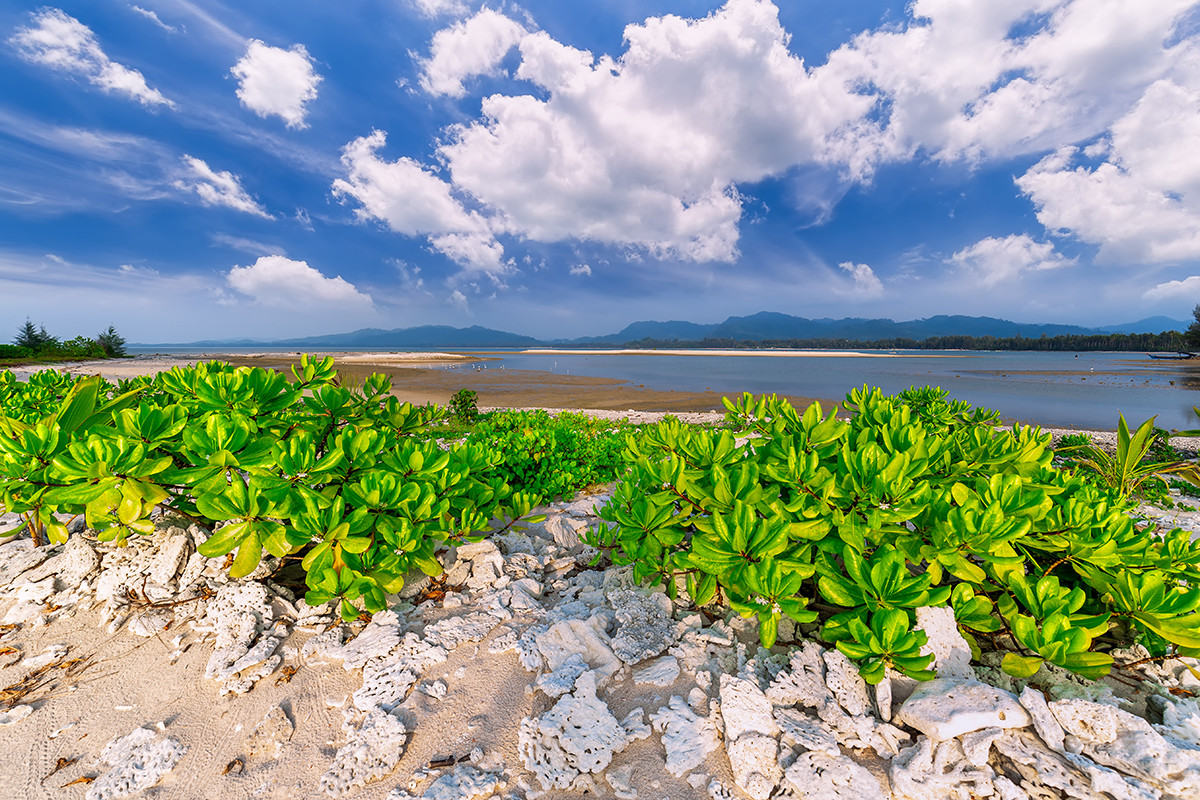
(511,388)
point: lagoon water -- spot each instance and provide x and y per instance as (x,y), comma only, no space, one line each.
(1069,390)
(1085,390)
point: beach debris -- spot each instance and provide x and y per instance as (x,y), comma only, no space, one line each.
(135,762)
(578,736)
(15,714)
(59,766)
(372,749)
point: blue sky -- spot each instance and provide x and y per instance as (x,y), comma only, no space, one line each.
(186,169)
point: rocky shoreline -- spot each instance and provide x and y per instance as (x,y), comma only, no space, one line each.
(523,674)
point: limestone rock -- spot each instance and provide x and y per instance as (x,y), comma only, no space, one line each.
(1043,773)
(687,738)
(1143,753)
(803,682)
(135,762)
(271,734)
(951,653)
(621,781)
(578,735)
(944,708)
(931,770)
(562,680)
(847,686)
(1044,722)
(645,627)
(635,725)
(587,638)
(239,616)
(372,750)
(387,680)
(751,737)
(464,783)
(662,671)
(376,640)
(810,733)
(1095,723)
(821,776)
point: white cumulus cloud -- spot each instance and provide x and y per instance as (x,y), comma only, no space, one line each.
(1186,289)
(582,270)
(866,282)
(282,282)
(413,201)
(63,43)
(467,49)
(994,260)
(217,188)
(274,81)
(1142,204)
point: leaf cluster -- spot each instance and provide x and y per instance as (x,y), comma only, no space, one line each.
(337,477)
(914,500)
(552,455)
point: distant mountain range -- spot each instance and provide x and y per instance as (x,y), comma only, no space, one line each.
(763,326)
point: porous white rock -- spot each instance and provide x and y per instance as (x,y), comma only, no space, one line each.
(372,750)
(621,781)
(587,638)
(883,699)
(977,745)
(951,653)
(17,556)
(1181,720)
(687,738)
(944,708)
(1143,753)
(135,762)
(464,783)
(564,530)
(933,770)
(822,776)
(634,725)
(846,684)
(578,735)
(77,562)
(799,729)
(1111,782)
(150,622)
(50,655)
(173,550)
(1043,773)
(1095,723)
(449,633)
(662,671)
(803,682)
(1044,722)
(271,734)
(14,715)
(381,635)
(562,680)
(751,737)
(645,627)
(387,681)
(325,645)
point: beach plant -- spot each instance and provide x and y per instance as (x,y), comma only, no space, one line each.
(914,500)
(464,406)
(1133,463)
(338,478)
(552,455)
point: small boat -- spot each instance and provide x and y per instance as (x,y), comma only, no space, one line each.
(1172,356)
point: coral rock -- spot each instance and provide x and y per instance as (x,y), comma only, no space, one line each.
(944,708)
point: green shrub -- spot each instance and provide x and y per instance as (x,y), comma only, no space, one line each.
(857,524)
(335,477)
(552,455)
(464,406)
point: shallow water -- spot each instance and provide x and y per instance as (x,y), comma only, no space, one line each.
(1084,390)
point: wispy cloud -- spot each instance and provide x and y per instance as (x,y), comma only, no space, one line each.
(217,188)
(153,17)
(62,43)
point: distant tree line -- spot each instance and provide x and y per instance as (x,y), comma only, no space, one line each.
(34,342)
(1121,342)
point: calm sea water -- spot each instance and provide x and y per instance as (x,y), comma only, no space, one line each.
(1085,390)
